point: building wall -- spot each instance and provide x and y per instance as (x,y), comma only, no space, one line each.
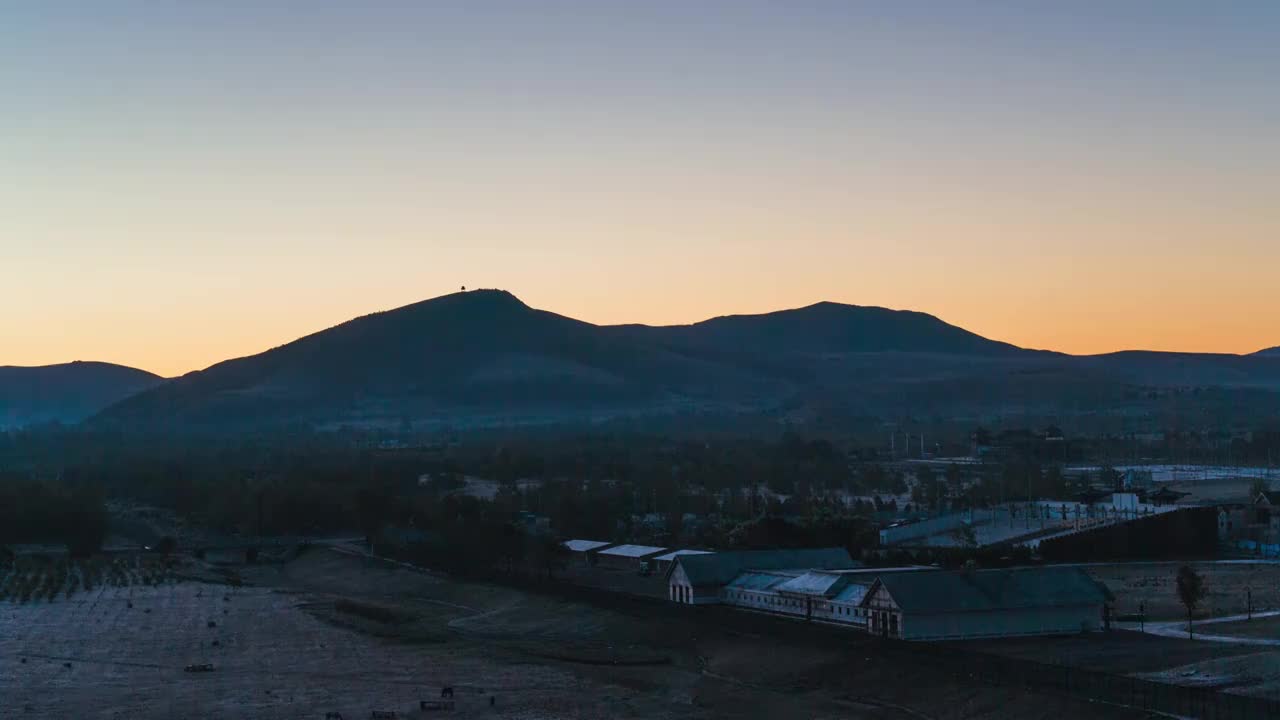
(1036,621)
(680,590)
(883,616)
(815,609)
(618,562)
(1173,534)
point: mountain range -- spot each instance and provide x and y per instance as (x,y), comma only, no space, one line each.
(485,358)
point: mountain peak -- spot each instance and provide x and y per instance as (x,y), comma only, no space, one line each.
(832,327)
(492,298)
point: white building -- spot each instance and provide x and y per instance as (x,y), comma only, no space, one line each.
(663,563)
(584,551)
(627,557)
(823,595)
(699,579)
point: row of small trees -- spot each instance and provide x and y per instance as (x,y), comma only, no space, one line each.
(25,579)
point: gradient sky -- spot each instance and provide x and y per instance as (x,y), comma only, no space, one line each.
(183,182)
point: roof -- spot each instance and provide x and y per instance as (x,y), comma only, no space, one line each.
(676,553)
(585,545)
(1271,497)
(815,582)
(836,584)
(980,590)
(852,594)
(633,551)
(722,567)
(761,580)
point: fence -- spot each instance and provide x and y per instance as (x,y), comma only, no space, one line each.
(1261,549)
(1185,532)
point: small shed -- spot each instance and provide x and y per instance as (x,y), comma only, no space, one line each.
(627,557)
(663,563)
(584,551)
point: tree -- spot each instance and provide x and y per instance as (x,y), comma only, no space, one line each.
(955,481)
(899,484)
(1259,486)
(965,536)
(166,545)
(372,506)
(548,555)
(1190,591)
(85,523)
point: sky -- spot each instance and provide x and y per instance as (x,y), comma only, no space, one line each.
(183,182)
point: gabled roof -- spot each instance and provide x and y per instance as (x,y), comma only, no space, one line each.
(633,551)
(851,594)
(979,590)
(815,582)
(722,567)
(760,579)
(677,553)
(1267,497)
(585,545)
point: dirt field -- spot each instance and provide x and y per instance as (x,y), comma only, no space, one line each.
(329,632)
(1255,673)
(1155,585)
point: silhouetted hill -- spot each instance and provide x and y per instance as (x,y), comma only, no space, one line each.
(66,393)
(1269,353)
(828,327)
(486,358)
(1170,369)
(452,358)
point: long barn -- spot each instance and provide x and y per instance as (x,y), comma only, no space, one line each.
(701,579)
(985,603)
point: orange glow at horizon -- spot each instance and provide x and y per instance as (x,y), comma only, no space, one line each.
(1088,177)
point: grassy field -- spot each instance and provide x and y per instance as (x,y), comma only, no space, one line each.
(329,632)
(1118,652)
(1155,585)
(1268,627)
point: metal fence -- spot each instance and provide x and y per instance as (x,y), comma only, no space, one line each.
(1261,549)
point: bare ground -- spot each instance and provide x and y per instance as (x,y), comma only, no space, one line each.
(311,637)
